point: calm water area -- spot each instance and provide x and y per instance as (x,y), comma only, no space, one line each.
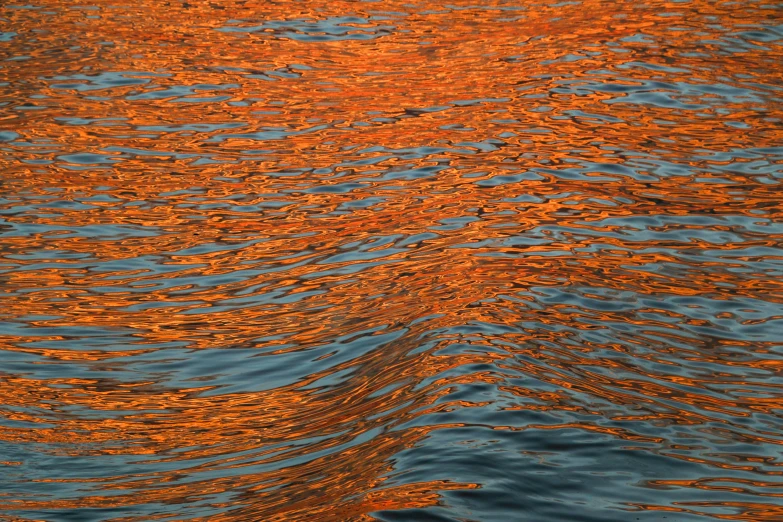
(427,261)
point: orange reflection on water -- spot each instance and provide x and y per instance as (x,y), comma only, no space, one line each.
(257,254)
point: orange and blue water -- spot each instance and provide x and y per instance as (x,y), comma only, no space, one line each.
(453,260)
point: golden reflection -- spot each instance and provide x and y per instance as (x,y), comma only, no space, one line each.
(492,186)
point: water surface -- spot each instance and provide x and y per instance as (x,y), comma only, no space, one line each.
(465,260)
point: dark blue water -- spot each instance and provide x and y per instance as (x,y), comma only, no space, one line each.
(376,260)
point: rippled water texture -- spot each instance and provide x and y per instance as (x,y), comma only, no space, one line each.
(322,261)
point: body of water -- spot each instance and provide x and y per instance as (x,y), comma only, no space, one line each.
(324,261)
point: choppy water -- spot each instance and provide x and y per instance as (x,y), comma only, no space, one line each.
(462,260)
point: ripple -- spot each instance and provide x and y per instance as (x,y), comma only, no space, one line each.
(385,261)
(330,29)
